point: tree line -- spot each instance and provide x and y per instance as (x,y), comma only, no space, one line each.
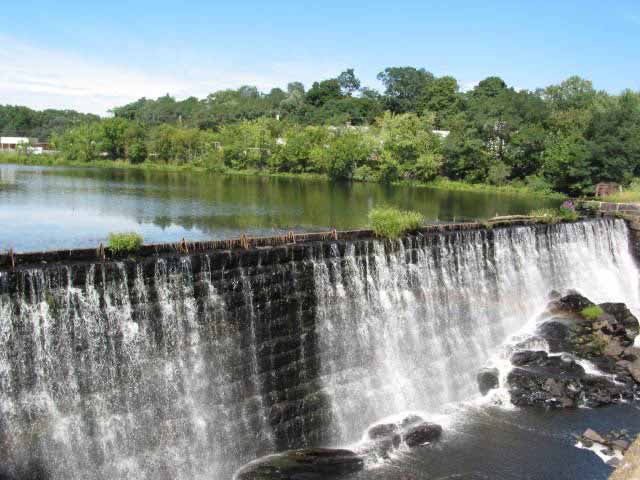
(564,137)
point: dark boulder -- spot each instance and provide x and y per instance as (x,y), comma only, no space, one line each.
(305,464)
(540,380)
(411,420)
(382,430)
(488,379)
(422,433)
(557,335)
(386,435)
(572,303)
(623,316)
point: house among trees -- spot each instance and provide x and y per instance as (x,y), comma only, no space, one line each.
(11,143)
(606,189)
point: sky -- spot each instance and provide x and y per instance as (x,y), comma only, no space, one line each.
(94,55)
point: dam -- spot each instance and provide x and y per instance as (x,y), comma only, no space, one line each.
(186,364)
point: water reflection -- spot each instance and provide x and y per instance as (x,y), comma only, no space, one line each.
(46,208)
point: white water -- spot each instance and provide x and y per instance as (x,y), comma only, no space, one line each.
(400,336)
(150,378)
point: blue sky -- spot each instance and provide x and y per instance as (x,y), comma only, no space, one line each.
(94,55)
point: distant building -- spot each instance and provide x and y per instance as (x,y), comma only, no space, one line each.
(605,189)
(11,143)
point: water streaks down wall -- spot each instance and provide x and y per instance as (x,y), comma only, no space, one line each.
(188,366)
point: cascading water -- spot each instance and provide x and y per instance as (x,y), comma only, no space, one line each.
(187,367)
(406,328)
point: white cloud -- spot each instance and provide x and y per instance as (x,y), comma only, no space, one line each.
(45,78)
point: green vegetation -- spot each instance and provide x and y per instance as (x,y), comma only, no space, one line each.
(16,121)
(391,222)
(127,242)
(591,313)
(421,129)
(630,195)
(551,215)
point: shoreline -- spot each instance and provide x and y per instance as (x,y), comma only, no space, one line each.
(440,183)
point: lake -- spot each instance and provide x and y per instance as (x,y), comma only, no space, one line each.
(46,208)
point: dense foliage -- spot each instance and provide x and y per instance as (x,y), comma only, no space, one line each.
(18,121)
(564,138)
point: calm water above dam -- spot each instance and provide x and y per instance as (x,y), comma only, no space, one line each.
(52,208)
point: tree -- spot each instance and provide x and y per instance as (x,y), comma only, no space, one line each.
(404,87)
(348,81)
(441,97)
(322,92)
(574,92)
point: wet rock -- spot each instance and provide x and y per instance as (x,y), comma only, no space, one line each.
(572,303)
(488,379)
(307,464)
(557,335)
(593,436)
(386,436)
(529,358)
(621,445)
(623,316)
(411,420)
(422,433)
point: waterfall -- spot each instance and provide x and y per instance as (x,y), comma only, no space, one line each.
(186,367)
(406,326)
(100,382)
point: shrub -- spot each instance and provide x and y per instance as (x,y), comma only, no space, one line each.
(546,215)
(125,242)
(592,312)
(391,222)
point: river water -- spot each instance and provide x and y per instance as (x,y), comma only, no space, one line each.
(45,208)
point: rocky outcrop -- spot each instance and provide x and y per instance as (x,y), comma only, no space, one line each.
(602,334)
(422,433)
(307,464)
(488,379)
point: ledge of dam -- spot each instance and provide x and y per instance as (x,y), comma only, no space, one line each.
(238,247)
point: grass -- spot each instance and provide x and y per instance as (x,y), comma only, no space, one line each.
(630,195)
(126,242)
(591,313)
(553,215)
(391,222)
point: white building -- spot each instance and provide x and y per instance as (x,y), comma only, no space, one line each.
(11,143)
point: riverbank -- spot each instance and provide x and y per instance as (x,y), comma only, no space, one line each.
(441,183)
(630,468)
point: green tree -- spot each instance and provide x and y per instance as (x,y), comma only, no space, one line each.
(348,81)
(404,86)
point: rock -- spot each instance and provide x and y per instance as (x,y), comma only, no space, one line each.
(614,462)
(411,420)
(623,316)
(488,379)
(382,431)
(386,435)
(557,335)
(308,464)
(529,358)
(634,370)
(423,433)
(554,295)
(621,445)
(573,303)
(594,436)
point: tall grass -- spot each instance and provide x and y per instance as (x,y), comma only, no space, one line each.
(126,242)
(391,222)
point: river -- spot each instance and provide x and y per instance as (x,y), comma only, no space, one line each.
(45,208)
